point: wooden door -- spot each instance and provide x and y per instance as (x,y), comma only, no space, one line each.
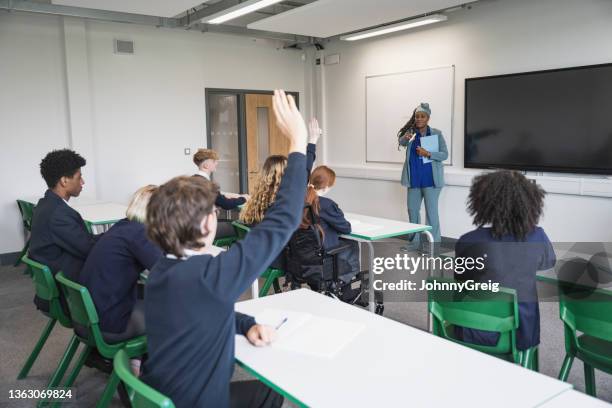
(262,134)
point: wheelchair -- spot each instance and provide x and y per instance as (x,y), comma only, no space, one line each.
(334,272)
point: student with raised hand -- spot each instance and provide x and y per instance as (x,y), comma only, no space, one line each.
(59,237)
(113,268)
(190,294)
(270,177)
(506,208)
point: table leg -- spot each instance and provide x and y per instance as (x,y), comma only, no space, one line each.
(371,298)
(429,273)
(255,289)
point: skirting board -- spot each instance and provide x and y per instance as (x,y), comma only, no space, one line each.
(9,258)
(554,184)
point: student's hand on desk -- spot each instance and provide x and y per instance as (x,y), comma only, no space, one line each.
(314,131)
(422,152)
(260,335)
(290,121)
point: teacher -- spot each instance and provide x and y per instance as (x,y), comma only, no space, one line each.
(423,172)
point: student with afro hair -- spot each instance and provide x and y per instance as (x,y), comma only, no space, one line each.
(60,238)
(507,207)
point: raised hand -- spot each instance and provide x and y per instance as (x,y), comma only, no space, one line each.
(314,131)
(290,121)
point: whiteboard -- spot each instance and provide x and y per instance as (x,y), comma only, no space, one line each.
(390,100)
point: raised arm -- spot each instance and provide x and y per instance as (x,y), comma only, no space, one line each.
(314,133)
(232,272)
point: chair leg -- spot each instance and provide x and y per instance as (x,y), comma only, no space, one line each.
(277,288)
(75,372)
(109,391)
(536,360)
(266,287)
(39,345)
(77,368)
(23,252)
(527,358)
(589,380)
(64,363)
(566,367)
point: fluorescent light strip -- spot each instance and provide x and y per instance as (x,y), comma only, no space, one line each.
(434,18)
(239,10)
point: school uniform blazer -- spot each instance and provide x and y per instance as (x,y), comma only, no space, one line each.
(112,270)
(189,303)
(223,201)
(512,264)
(60,238)
(332,221)
(437,158)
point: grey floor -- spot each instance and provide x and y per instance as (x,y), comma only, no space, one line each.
(21,324)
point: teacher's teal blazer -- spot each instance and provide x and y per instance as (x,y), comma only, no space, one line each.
(437,167)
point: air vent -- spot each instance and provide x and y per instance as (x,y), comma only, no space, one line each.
(124,47)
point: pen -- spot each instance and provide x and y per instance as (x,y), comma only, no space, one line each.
(281,323)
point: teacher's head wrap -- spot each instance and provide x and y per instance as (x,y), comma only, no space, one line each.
(423,107)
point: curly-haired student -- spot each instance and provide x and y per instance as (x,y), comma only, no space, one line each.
(507,208)
(60,238)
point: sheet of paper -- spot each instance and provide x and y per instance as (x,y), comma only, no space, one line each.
(429,143)
(304,333)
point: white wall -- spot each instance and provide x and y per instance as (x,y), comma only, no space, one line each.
(131,116)
(495,37)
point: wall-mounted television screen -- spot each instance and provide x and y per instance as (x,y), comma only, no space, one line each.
(551,121)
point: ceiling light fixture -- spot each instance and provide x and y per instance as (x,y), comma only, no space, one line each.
(404,25)
(238,10)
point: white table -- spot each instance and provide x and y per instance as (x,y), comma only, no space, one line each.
(388,365)
(368,229)
(33,199)
(101,214)
(575,399)
(97,213)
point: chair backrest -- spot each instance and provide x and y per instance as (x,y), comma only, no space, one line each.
(141,395)
(240,229)
(27,212)
(82,310)
(46,289)
(89,226)
(475,309)
(585,310)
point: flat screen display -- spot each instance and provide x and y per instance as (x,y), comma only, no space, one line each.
(553,121)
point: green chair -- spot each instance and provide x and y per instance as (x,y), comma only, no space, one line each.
(46,289)
(85,320)
(589,312)
(27,211)
(271,275)
(481,310)
(140,394)
(225,242)
(89,226)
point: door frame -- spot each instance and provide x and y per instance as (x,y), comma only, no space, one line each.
(242,138)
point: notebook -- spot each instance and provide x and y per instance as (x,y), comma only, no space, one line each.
(305,333)
(429,143)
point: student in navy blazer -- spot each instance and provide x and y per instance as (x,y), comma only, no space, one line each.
(60,238)
(190,294)
(506,208)
(207,161)
(113,268)
(423,181)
